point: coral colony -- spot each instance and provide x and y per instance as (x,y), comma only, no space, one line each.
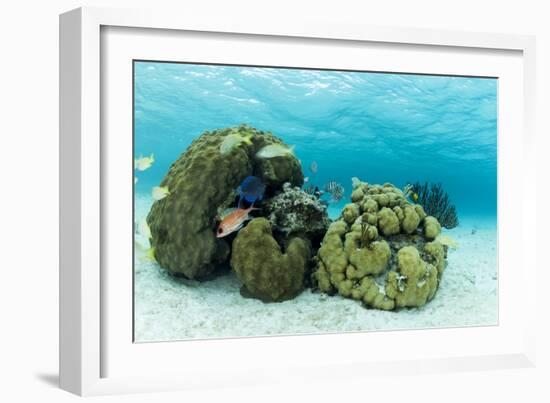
(237,197)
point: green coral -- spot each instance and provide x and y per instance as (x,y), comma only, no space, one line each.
(415,281)
(435,254)
(388,222)
(432,228)
(379,251)
(350,213)
(201,183)
(357,195)
(266,272)
(410,220)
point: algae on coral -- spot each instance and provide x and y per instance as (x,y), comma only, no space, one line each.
(293,212)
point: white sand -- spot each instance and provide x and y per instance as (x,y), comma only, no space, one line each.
(167,308)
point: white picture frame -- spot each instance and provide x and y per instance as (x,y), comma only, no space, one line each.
(86,349)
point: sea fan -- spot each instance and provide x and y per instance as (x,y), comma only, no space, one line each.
(436,202)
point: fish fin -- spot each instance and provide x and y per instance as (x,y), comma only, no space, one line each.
(151,254)
(226,212)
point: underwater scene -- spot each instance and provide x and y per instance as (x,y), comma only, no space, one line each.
(281,201)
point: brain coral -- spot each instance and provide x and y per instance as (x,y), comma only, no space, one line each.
(202,182)
(379,251)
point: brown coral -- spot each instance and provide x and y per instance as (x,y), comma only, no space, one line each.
(380,252)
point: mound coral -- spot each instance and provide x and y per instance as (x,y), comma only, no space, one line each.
(266,271)
(293,212)
(202,183)
(381,251)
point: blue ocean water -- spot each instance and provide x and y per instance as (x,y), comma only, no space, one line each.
(380,127)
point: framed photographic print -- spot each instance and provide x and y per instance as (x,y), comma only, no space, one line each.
(240,197)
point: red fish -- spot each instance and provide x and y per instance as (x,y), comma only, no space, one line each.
(232,220)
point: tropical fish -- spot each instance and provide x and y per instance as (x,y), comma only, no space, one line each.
(335,190)
(313,191)
(408,192)
(160,192)
(274,150)
(144,230)
(313,167)
(252,189)
(144,253)
(142,163)
(306,179)
(231,141)
(232,220)
(447,241)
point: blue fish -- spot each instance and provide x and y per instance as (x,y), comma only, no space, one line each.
(252,189)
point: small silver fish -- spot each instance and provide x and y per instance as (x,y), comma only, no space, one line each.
(274,150)
(232,141)
(160,193)
(313,167)
(142,163)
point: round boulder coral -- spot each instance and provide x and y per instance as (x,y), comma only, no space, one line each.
(432,228)
(202,183)
(415,281)
(388,222)
(379,251)
(265,270)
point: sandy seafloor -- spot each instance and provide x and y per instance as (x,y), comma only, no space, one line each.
(168,308)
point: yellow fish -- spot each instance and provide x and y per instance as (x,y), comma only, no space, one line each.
(142,163)
(144,253)
(274,150)
(447,241)
(415,197)
(160,193)
(231,141)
